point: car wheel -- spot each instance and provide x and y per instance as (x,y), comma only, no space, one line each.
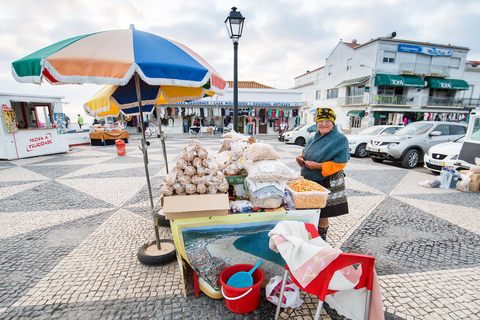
(377,160)
(300,141)
(361,151)
(410,160)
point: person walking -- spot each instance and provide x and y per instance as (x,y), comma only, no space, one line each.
(80,121)
(67,120)
(322,161)
(185,124)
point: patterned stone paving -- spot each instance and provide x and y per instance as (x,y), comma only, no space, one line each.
(71,225)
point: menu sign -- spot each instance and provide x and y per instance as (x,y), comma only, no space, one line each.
(10,118)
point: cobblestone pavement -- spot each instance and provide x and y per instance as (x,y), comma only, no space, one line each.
(71,225)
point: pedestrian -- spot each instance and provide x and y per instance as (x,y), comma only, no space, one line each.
(67,120)
(80,121)
(322,161)
(185,124)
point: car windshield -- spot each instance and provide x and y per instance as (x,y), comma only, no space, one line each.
(414,129)
(303,126)
(372,130)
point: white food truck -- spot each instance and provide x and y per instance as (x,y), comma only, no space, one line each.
(31,125)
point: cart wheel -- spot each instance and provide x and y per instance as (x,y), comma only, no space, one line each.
(162,222)
(151,256)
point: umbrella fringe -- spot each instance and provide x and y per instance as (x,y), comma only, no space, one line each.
(26,79)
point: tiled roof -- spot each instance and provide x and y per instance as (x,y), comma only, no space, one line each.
(351,44)
(473,61)
(249,85)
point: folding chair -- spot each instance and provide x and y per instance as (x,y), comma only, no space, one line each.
(319,285)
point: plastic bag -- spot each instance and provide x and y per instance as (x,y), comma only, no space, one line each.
(291,294)
(269,170)
(241,206)
(430,183)
(261,151)
(463,184)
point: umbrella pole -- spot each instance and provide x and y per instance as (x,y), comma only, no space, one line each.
(145,156)
(162,139)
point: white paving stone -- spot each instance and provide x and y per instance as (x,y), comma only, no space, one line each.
(20,174)
(409,185)
(11,190)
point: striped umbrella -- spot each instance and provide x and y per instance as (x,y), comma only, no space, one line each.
(115,57)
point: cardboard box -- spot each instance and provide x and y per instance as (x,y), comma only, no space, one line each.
(475,177)
(194,206)
(472,186)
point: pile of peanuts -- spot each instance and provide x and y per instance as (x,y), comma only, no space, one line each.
(304,185)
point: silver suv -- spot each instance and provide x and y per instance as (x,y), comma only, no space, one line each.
(409,144)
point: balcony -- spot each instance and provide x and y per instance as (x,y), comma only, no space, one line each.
(423,69)
(351,100)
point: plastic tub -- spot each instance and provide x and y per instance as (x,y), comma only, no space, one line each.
(309,199)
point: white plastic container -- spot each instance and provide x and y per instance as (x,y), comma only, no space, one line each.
(309,199)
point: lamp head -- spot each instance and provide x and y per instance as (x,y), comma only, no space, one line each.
(234,24)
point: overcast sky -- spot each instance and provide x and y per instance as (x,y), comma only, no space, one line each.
(281,39)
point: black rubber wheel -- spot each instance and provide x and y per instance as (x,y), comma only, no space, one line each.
(162,222)
(151,256)
(361,151)
(410,159)
(300,141)
(377,160)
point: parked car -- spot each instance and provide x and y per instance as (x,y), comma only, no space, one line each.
(443,155)
(281,136)
(409,144)
(303,134)
(358,142)
(470,152)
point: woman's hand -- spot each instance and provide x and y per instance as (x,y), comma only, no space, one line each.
(300,160)
(312,165)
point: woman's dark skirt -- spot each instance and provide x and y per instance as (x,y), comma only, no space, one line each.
(337,198)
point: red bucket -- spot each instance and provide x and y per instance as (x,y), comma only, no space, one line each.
(241,300)
(121,151)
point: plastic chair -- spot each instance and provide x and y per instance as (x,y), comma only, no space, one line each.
(319,285)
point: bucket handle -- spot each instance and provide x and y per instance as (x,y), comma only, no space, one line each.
(236,298)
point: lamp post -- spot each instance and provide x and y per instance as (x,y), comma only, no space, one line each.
(234,24)
(370,90)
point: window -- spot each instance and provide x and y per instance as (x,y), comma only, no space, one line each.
(389,57)
(349,64)
(355,91)
(332,93)
(476,130)
(390,130)
(455,63)
(443,128)
(457,130)
(330,68)
(318,95)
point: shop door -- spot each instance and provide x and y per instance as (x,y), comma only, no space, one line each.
(262,128)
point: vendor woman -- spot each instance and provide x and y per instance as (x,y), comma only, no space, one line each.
(322,161)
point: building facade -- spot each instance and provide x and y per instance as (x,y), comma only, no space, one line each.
(392,81)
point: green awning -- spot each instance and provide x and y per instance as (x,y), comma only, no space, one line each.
(356,113)
(452,84)
(377,114)
(398,81)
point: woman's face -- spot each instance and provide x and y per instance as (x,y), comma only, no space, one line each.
(324,126)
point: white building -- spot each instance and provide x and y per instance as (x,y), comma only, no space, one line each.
(391,81)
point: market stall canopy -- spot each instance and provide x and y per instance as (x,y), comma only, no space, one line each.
(356,113)
(353,81)
(453,84)
(112,57)
(398,81)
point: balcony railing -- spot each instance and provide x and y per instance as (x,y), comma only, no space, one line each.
(424,69)
(394,100)
(351,100)
(451,102)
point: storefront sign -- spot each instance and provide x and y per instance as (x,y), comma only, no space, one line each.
(242,103)
(431,51)
(38,142)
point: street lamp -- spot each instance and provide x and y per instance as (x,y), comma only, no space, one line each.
(234,24)
(370,90)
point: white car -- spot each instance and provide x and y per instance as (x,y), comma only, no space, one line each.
(301,135)
(443,155)
(358,142)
